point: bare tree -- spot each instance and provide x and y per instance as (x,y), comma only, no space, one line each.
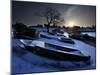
(53,17)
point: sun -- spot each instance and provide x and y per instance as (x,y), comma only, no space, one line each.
(71,24)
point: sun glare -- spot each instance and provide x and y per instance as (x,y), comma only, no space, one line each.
(71,24)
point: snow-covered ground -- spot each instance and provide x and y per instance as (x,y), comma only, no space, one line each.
(24,61)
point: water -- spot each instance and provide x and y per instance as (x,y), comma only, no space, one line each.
(93,34)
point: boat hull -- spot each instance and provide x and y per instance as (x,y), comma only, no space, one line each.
(55,55)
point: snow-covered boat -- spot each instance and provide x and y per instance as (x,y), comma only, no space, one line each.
(53,51)
(61,38)
(66,40)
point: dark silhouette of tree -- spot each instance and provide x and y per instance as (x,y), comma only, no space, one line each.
(19,27)
(22,31)
(53,17)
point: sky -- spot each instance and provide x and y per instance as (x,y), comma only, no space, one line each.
(30,13)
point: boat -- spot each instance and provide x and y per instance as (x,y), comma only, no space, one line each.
(61,38)
(66,40)
(48,35)
(84,37)
(53,51)
(45,36)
